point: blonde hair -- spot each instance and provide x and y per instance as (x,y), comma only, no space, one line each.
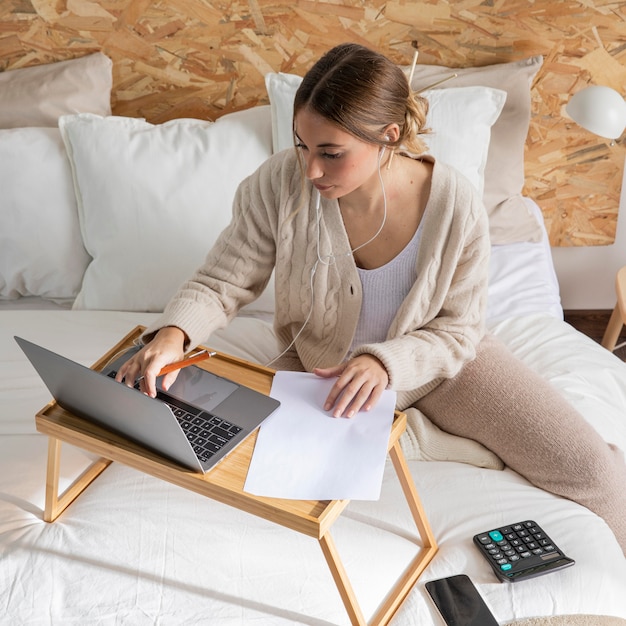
(363,92)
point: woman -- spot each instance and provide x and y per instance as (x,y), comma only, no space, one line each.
(381,269)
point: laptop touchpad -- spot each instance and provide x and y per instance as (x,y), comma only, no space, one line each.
(199,387)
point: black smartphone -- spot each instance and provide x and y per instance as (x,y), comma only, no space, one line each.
(459,602)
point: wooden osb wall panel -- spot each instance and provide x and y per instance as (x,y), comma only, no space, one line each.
(203,58)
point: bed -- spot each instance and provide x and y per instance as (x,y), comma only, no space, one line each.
(81,274)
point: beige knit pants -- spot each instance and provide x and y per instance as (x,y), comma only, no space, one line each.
(501,403)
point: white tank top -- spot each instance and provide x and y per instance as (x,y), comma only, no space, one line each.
(384,290)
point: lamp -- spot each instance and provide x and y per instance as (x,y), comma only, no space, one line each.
(600,110)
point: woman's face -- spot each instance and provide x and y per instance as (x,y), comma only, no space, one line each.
(336,162)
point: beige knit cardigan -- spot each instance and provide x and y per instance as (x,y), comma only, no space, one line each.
(275,225)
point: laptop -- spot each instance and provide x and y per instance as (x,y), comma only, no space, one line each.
(197,422)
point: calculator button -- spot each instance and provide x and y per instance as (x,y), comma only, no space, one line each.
(496,535)
(506,567)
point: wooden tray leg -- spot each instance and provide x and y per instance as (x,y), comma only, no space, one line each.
(397,595)
(341,580)
(55,503)
(410,493)
(405,583)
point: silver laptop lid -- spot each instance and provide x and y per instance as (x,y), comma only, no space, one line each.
(148,421)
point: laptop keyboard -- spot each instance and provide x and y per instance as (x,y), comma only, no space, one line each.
(206,432)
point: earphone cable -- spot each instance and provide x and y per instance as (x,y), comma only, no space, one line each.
(380,228)
(306,321)
(332,256)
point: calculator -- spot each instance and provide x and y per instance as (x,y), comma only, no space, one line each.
(520,551)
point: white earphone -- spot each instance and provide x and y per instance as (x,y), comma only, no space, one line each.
(383,148)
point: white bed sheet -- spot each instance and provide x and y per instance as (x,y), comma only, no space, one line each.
(133,549)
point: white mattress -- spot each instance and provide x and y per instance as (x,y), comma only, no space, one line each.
(135,550)
(522,280)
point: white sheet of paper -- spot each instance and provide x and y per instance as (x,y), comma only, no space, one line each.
(304,453)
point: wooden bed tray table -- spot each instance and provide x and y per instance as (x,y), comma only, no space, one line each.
(225,482)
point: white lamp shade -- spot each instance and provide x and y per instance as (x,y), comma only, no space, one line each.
(600,110)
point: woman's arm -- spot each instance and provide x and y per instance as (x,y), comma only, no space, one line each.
(440,323)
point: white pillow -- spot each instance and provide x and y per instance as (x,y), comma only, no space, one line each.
(281,89)
(41,250)
(460,118)
(153,199)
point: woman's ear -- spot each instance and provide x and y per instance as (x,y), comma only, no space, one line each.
(391,133)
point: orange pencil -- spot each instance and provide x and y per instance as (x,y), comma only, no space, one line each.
(186,362)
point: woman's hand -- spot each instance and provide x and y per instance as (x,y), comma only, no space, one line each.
(360,383)
(166,347)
